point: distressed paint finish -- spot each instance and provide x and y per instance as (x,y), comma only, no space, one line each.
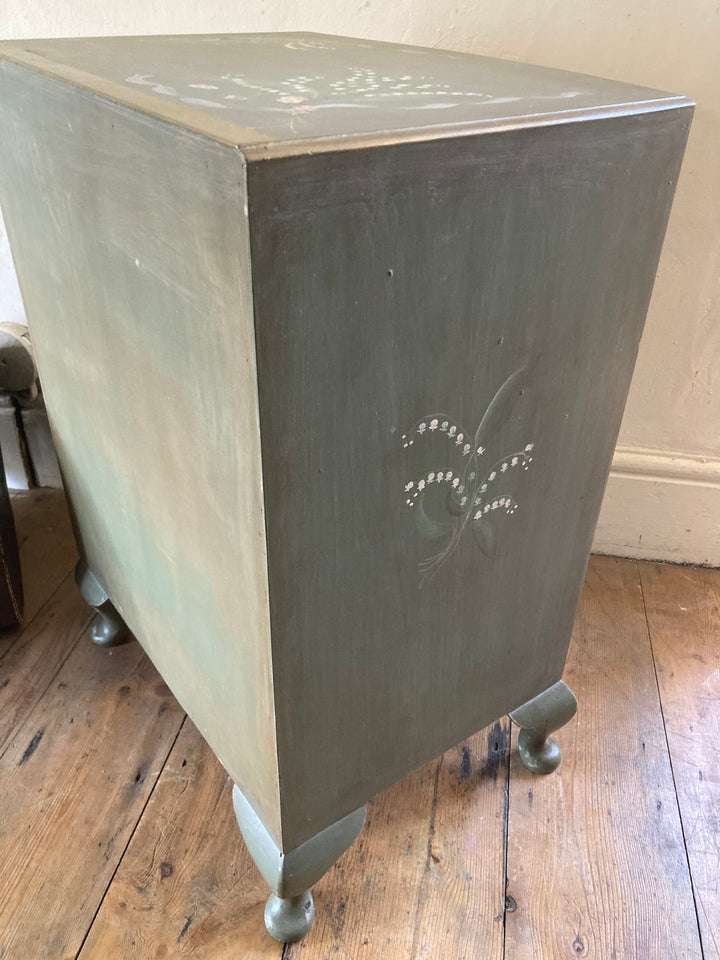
(422,278)
(137,291)
(283,93)
(485,263)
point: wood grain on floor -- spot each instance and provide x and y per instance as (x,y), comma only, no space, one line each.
(47,550)
(596,861)
(118,840)
(682,612)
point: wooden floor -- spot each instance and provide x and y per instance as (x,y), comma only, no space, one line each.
(117,837)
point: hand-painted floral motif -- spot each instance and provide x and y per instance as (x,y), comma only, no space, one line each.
(472,487)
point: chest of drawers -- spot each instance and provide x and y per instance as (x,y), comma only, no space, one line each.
(335,338)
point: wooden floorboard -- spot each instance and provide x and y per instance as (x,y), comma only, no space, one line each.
(31,663)
(427,872)
(47,551)
(596,859)
(74,781)
(186,886)
(684,625)
(462,893)
(118,840)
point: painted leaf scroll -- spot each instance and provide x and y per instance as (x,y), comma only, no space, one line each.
(464,489)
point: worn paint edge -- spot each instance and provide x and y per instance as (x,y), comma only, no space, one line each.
(279,836)
(257,146)
(275,830)
(230,134)
(470,128)
(273,826)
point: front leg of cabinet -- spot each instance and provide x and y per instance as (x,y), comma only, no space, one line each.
(108,629)
(538,718)
(290,910)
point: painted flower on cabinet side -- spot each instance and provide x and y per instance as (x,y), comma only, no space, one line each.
(472,492)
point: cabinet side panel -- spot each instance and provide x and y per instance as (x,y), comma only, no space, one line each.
(446,334)
(130,239)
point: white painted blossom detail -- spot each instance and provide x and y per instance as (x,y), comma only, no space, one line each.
(471,495)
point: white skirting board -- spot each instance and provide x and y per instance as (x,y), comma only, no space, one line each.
(14,452)
(661,506)
(28,454)
(41,448)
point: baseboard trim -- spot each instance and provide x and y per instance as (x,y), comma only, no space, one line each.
(661,505)
(648,464)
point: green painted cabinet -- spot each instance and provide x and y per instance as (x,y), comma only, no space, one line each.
(335,337)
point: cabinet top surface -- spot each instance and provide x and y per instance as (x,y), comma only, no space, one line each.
(279,93)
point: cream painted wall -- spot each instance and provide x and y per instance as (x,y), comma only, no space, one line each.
(663,497)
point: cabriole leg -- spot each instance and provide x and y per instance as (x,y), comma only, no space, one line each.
(538,718)
(108,629)
(290,910)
